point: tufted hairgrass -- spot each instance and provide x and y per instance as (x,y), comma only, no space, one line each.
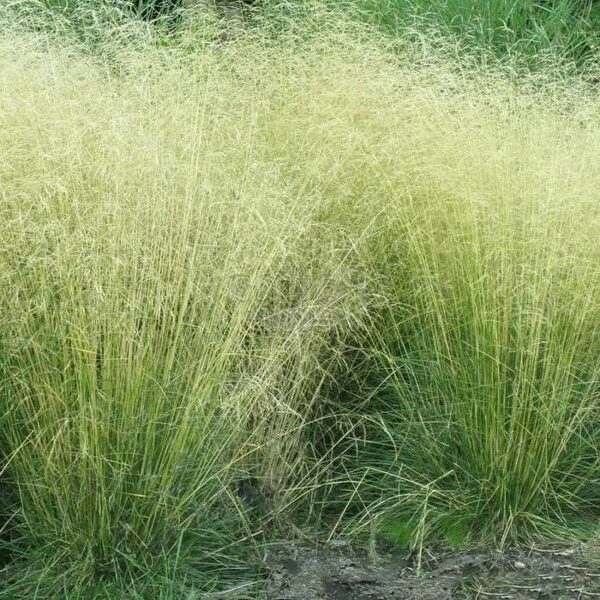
(488,386)
(173,300)
(237,274)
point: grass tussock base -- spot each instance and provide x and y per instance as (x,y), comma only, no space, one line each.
(200,248)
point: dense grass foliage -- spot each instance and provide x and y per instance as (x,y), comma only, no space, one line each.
(173,296)
(490,403)
(569,28)
(282,279)
(526,32)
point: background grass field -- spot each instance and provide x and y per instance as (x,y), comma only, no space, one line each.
(296,269)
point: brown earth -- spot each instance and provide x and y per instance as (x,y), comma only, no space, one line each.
(337,572)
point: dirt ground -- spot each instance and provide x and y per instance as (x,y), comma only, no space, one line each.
(339,573)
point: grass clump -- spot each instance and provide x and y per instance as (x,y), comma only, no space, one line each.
(488,354)
(172,303)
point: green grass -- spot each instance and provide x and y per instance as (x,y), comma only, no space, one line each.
(488,352)
(285,277)
(493,385)
(525,32)
(171,303)
(564,27)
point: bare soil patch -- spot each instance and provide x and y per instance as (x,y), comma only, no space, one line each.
(340,573)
